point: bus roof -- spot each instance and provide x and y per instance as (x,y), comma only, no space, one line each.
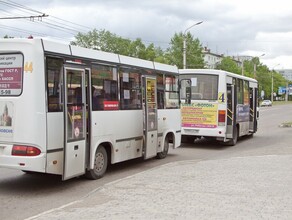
(214,72)
(81,52)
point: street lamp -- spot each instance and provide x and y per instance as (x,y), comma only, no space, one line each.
(184,43)
(255,67)
(272,86)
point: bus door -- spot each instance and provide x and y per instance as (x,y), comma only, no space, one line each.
(230,111)
(75,122)
(253,109)
(150,117)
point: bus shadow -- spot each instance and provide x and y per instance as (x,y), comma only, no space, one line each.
(138,164)
(213,144)
(203,143)
(26,183)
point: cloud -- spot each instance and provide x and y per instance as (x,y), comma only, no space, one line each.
(229,27)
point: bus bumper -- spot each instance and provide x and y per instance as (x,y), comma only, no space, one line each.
(28,163)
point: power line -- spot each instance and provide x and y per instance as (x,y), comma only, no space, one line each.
(55,23)
(60,28)
(71,22)
(17,6)
(20,30)
(21,7)
(22,17)
(50,21)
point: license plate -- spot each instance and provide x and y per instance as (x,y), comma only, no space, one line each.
(191,131)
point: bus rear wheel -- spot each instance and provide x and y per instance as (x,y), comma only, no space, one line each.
(100,164)
(162,155)
(233,141)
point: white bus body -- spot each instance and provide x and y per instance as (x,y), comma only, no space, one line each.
(217,104)
(70,111)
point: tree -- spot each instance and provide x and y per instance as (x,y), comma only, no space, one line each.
(264,77)
(194,55)
(137,49)
(228,64)
(6,36)
(160,56)
(248,68)
(104,41)
(108,42)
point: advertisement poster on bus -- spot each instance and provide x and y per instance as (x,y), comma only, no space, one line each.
(11,74)
(242,112)
(199,115)
(6,119)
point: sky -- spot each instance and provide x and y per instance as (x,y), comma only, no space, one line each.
(230,27)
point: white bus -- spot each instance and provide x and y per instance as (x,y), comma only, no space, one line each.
(71,111)
(217,105)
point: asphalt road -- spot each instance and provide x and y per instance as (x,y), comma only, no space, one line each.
(23,195)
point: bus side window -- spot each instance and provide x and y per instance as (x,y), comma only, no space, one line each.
(94,98)
(104,86)
(78,95)
(171,92)
(130,81)
(160,91)
(54,68)
(100,98)
(53,103)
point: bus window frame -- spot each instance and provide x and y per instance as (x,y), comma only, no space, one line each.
(98,98)
(60,103)
(129,88)
(168,92)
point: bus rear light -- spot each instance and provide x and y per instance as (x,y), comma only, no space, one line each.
(221,117)
(20,150)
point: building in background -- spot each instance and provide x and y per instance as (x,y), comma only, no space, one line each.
(211,59)
(286,73)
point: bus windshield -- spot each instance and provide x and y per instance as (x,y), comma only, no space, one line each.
(202,87)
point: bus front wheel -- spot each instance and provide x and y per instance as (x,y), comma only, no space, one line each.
(162,155)
(100,164)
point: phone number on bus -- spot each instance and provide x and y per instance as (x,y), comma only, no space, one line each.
(5,92)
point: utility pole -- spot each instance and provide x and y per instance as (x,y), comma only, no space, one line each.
(272,86)
(287,92)
(185,44)
(255,67)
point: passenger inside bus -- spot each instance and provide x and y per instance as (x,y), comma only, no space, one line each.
(78,95)
(98,97)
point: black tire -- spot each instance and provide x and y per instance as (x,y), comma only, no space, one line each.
(233,141)
(100,164)
(162,155)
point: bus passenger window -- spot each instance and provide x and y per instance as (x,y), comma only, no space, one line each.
(160,91)
(171,92)
(78,95)
(54,69)
(131,96)
(104,88)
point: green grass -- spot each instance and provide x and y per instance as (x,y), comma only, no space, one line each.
(282,102)
(286,124)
